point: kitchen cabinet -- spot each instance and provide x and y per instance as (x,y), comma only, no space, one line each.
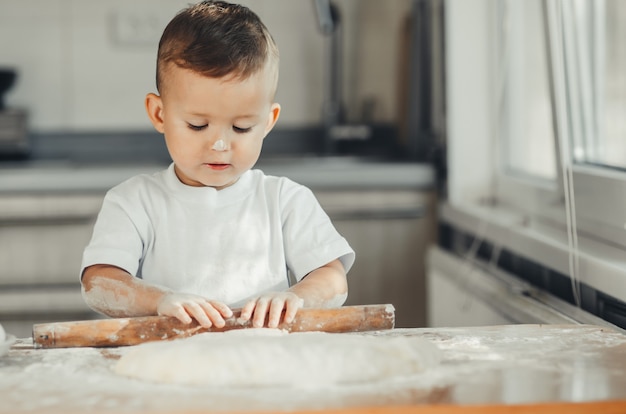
(42,238)
(390,231)
(467,292)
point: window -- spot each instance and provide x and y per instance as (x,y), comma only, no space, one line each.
(526,110)
(589,35)
(598,37)
(555,74)
(563,111)
(612,142)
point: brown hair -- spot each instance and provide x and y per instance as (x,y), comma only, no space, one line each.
(215,39)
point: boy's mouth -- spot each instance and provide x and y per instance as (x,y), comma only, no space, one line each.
(218,167)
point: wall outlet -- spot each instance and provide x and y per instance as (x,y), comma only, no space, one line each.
(137,27)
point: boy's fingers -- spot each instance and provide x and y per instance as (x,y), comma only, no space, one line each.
(260,311)
(276,310)
(223,309)
(180,314)
(213,314)
(291,310)
(246,312)
(199,314)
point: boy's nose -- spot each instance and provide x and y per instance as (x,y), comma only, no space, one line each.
(220,145)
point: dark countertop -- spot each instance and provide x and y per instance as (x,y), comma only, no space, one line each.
(497,365)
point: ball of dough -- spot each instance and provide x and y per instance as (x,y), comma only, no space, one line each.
(267,357)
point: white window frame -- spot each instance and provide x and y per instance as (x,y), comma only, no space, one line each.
(522,214)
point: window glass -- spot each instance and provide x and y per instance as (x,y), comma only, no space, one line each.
(609,146)
(526,111)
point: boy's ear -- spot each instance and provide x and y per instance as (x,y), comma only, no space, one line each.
(272,118)
(154,108)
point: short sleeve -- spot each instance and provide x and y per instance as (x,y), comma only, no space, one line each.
(116,238)
(310,239)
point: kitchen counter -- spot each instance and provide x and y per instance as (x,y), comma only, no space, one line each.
(513,365)
(314,172)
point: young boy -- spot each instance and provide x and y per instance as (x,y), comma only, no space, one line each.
(210,233)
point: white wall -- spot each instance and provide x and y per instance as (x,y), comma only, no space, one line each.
(86,65)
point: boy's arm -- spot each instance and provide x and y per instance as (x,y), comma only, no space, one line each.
(324,287)
(114,292)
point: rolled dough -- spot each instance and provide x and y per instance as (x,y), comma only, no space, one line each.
(271,357)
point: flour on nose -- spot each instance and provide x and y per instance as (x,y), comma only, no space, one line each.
(219,145)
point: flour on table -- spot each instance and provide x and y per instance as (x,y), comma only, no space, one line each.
(271,357)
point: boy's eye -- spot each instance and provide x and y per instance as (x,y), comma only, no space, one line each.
(241,130)
(197,127)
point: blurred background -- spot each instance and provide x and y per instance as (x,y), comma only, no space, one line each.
(86,66)
(471,151)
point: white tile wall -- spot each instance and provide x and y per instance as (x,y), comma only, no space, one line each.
(75,75)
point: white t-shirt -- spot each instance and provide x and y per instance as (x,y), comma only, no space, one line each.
(227,245)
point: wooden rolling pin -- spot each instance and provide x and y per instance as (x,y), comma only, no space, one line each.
(133,331)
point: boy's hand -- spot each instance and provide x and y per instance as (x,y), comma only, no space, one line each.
(184,306)
(272,303)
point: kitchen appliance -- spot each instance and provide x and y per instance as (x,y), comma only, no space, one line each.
(336,127)
(14,140)
(421,84)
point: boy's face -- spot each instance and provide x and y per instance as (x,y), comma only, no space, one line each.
(195,111)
